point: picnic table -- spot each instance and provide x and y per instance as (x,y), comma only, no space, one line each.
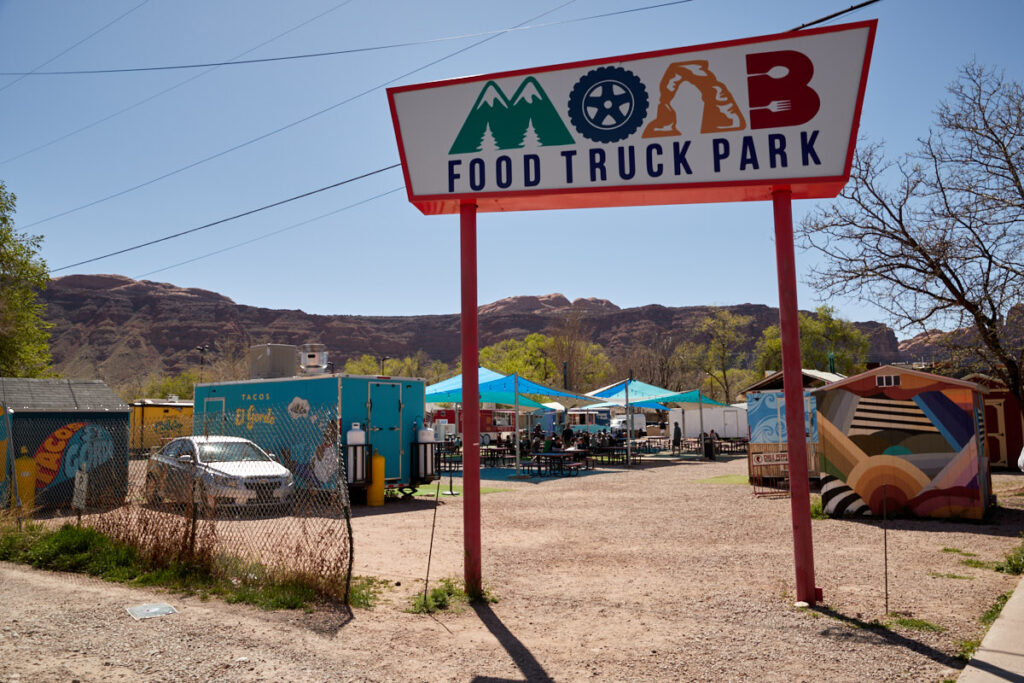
(559,463)
(497,456)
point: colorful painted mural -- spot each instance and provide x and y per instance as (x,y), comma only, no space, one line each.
(766,417)
(903,442)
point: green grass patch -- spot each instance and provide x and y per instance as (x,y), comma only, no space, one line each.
(431,491)
(817,509)
(449,594)
(366,591)
(937,575)
(966,649)
(726,479)
(979,564)
(1013,563)
(992,613)
(916,624)
(957,551)
(85,550)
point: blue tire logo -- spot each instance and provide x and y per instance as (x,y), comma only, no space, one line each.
(608,104)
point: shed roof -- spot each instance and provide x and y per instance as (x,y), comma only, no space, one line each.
(923,379)
(22,394)
(811,378)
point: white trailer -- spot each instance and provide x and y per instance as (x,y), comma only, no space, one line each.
(729,422)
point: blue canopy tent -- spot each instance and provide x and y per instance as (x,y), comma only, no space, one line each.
(498,388)
(633,392)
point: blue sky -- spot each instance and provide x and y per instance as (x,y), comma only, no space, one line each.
(381,256)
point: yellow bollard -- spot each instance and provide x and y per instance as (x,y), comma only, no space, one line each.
(25,481)
(375,494)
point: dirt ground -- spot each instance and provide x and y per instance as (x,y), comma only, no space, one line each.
(640,575)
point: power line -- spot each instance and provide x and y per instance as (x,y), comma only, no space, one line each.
(167,90)
(853,8)
(271,234)
(333,53)
(34,71)
(225,220)
(289,125)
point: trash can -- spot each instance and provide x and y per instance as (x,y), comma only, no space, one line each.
(708,449)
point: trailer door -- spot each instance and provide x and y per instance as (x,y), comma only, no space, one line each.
(384,417)
(213,416)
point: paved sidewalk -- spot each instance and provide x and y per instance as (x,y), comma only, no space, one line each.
(1001,655)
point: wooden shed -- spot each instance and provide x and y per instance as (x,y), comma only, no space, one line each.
(1004,423)
(52,428)
(903,441)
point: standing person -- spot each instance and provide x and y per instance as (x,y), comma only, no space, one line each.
(677,440)
(567,435)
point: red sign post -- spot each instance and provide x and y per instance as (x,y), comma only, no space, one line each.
(768,118)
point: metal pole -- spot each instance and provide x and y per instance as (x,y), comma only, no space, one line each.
(629,449)
(470,402)
(515,387)
(885,546)
(792,375)
(700,413)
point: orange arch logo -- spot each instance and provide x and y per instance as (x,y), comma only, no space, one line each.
(721,113)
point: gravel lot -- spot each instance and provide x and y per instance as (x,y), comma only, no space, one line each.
(640,575)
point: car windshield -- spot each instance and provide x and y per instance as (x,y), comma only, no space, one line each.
(231,451)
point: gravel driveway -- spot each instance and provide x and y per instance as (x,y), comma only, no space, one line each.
(639,575)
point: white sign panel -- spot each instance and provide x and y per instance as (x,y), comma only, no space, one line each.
(723,122)
(81,491)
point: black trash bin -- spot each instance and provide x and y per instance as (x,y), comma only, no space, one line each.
(708,449)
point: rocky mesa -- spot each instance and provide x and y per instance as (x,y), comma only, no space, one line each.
(120,330)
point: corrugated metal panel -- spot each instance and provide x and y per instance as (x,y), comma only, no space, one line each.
(22,394)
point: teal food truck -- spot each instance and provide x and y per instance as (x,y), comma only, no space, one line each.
(325,428)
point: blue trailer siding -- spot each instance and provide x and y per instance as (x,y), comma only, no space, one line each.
(295,419)
(304,420)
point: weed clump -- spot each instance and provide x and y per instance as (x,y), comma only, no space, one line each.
(450,594)
(1013,563)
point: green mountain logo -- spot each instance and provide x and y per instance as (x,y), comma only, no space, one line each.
(507,121)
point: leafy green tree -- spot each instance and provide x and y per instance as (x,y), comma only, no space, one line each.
(24,335)
(527,357)
(726,333)
(181,385)
(416,365)
(364,365)
(823,336)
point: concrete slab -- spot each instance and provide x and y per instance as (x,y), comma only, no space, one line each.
(1001,655)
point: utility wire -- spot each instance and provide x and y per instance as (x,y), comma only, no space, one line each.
(167,90)
(225,220)
(332,53)
(270,234)
(853,8)
(289,125)
(35,71)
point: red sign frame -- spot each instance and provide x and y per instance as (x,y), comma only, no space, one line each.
(639,195)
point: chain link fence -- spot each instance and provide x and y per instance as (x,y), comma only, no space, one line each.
(278,507)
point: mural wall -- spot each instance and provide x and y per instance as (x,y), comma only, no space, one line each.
(42,452)
(903,442)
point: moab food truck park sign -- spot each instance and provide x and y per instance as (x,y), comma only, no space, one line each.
(770,118)
(723,122)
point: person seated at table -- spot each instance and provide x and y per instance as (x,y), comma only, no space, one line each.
(556,443)
(549,441)
(585,441)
